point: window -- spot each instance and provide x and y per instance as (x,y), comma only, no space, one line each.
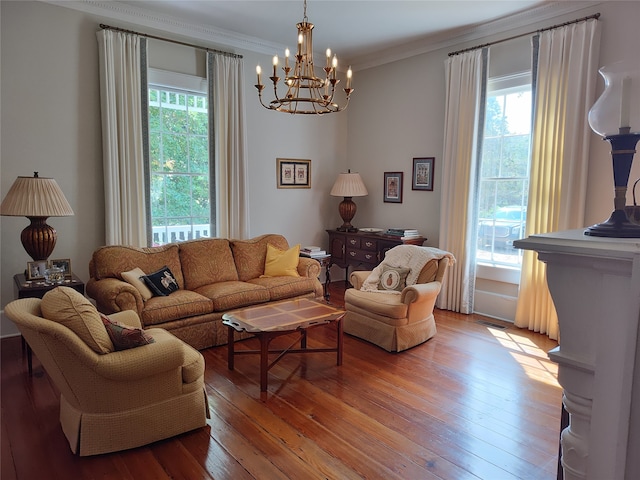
(180,181)
(504,175)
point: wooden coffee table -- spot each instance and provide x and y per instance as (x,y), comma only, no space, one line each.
(272,320)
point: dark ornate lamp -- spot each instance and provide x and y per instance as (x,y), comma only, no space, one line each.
(348,185)
(616,116)
(37,199)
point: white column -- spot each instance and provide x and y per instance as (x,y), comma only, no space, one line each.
(595,286)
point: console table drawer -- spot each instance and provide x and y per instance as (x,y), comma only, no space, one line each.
(363,256)
(353,242)
(368,244)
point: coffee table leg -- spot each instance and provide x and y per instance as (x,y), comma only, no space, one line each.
(230,347)
(339,334)
(264,361)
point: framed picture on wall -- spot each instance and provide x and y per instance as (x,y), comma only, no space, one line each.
(292,173)
(422,173)
(393,187)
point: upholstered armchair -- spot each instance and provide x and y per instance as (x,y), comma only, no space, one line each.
(111,399)
(398,315)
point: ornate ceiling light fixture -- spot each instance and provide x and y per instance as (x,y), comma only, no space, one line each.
(306,93)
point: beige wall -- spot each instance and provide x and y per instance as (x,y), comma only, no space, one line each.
(51,124)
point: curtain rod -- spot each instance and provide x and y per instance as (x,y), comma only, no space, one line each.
(229,54)
(578,20)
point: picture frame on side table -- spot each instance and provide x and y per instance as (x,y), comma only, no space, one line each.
(393,187)
(35,270)
(293,173)
(422,178)
(64,264)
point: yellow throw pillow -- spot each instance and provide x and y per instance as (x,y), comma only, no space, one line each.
(280,263)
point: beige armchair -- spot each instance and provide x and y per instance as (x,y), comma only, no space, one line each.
(395,322)
(113,400)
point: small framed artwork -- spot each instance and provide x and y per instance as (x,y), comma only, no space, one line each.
(35,270)
(64,264)
(422,173)
(292,173)
(393,187)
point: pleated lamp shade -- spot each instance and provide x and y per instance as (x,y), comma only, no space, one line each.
(36,198)
(348,185)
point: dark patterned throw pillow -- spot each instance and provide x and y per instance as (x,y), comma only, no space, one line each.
(162,282)
(124,337)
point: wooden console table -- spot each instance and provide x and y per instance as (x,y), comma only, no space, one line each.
(362,250)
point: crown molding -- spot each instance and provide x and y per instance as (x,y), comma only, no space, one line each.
(134,18)
(456,37)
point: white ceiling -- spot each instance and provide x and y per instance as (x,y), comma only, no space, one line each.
(358,31)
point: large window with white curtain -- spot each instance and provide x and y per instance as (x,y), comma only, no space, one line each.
(180,181)
(503,181)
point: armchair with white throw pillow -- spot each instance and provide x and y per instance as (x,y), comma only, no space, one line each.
(392,305)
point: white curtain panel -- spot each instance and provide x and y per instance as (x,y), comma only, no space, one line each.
(464,85)
(228,145)
(564,93)
(123,159)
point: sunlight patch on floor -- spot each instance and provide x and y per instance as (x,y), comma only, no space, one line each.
(533,360)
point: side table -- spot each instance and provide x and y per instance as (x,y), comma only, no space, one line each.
(23,288)
(325,261)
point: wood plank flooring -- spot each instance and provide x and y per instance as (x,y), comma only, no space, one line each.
(474,402)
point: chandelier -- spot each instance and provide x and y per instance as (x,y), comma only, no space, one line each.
(306,93)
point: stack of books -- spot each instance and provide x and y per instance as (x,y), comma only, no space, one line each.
(403,233)
(312,252)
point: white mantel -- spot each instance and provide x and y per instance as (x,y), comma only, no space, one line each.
(595,286)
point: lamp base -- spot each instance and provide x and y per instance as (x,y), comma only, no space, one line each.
(347,228)
(617,226)
(38,239)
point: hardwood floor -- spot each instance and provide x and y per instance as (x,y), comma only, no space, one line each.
(475,402)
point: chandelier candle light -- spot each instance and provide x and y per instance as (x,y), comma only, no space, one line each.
(306,93)
(616,117)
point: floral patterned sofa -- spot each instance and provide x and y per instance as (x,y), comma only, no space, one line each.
(213,276)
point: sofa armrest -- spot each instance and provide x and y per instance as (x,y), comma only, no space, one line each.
(164,355)
(308,267)
(113,295)
(358,277)
(127,317)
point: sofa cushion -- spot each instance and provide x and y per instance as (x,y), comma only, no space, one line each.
(230,295)
(133,277)
(393,278)
(286,287)
(250,255)
(178,305)
(111,261)
(71,309)
(205,261)
(125,337)
(376,303)
(282,262)
(162,282)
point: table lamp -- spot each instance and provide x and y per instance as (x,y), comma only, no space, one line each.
(348,185)
(37,199)
(616,117)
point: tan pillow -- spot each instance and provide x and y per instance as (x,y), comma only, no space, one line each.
(393,278)
(282,263)
(71,309)
(133,277)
